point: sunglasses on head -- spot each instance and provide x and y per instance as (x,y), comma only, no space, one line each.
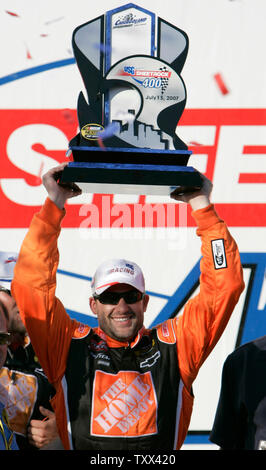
(112,298)
(4,338)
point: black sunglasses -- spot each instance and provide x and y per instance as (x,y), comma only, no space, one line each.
(4,338)
(112,298)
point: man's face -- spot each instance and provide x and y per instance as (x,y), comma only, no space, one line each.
(122,321)
(15,323)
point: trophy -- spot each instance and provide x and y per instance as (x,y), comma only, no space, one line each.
(130,62)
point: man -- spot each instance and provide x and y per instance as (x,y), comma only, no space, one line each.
(7,438)
(24,388)
(240,421)
(121,386)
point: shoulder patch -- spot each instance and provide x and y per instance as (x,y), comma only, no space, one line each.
(81,331)
(218,253)
(166,333)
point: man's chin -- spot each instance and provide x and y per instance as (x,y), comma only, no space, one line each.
(125,335)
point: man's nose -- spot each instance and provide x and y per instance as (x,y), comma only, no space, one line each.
(122,305)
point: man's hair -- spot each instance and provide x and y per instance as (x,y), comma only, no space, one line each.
(4,289)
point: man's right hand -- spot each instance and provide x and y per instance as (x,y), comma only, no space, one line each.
(59,193)
(199,198)
(42,432)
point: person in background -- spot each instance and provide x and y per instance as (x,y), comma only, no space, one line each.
(24,387)
(7,437)
(240,420)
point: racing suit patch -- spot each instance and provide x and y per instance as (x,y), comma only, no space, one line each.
(166,333)
(125,404)
(218,253)
(19,396)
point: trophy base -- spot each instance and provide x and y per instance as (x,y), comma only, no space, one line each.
(125,178)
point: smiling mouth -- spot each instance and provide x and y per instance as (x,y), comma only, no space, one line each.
(122,319)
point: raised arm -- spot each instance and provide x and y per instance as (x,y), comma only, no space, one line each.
(221,283)
(34,283)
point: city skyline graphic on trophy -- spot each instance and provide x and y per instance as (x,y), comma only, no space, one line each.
(131,77)
(130,61)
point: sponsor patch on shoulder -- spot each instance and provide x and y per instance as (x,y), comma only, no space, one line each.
(81,331)
(218,253)
(165,332)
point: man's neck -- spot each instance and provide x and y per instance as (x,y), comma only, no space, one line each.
(116,343)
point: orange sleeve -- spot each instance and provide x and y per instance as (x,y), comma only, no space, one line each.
(206,315)
(33,287)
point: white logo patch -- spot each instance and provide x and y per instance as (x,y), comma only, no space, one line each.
(218,253)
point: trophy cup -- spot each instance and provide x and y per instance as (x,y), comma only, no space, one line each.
(130,61)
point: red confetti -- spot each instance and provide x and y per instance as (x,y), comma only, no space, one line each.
(68,116)
(193,142)
(12,13)
(39,176)
(221,84)
(100,142)
(28,54)
(11,259)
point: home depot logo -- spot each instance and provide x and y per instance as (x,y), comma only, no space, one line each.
(124,404)
(19,397)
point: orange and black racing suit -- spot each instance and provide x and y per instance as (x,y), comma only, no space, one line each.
(113,395)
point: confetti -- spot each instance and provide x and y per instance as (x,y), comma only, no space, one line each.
(221,84)
(103,47)
(12,13)
(11,259)
(68,116)
(112,129)
(101,144)
(39,176)
(193,142)
(109,131)
(28,54)
(54,20)
(124,116)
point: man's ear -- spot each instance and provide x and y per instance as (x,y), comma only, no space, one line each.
(93,305)
(146,301)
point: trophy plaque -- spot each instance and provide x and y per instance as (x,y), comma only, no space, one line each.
(130,62)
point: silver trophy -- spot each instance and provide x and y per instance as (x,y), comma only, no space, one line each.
(130,61)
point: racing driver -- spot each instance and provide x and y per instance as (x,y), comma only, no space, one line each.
(120,386)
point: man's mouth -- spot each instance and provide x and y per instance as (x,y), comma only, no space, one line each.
(122,319)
